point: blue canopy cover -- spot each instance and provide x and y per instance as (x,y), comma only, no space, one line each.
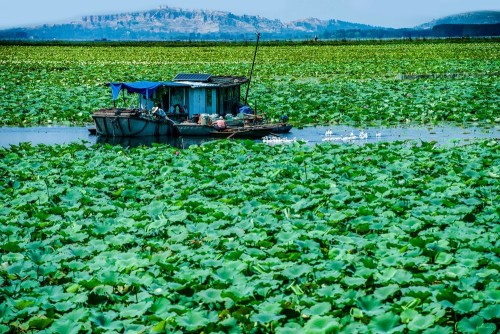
(146,88)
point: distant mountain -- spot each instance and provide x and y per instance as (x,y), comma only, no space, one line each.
(180,24)
(480,17)
(174,23)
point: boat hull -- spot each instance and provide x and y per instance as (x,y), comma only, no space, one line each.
(249,131)
(194,130)
(131,127)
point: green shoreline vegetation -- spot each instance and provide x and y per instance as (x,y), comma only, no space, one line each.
(241,237)
(360,83)
(237,236)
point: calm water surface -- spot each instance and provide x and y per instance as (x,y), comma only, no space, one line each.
(313,135)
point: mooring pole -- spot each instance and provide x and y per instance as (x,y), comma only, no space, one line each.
(253,64)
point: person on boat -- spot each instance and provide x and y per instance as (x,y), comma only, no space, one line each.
(220,124)
(159,113)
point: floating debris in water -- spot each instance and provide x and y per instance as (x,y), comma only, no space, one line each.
(273,140)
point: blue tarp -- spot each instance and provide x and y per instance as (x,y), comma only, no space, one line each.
(145,88)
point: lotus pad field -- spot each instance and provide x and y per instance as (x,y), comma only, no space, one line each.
(421,82)
(237,237)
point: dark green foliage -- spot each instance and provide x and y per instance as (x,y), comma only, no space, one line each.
(235,236)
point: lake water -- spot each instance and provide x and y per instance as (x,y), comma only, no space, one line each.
(313,135)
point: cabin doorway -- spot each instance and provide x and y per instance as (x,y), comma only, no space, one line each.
(198,105)
(209,101)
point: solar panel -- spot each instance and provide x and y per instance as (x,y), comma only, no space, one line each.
(192,77)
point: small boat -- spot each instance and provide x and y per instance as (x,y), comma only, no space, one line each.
(160,105)
(184,106)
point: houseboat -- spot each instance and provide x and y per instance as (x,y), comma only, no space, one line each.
(184,106)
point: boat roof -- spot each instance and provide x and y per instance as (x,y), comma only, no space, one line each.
(147,88)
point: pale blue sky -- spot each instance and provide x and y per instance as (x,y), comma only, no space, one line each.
(387,13)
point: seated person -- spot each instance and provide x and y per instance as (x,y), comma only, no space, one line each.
(179,109)
(220,124)
(158,112)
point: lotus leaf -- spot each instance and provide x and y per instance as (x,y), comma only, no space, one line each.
(297,271)
(385,323)
(465,306)
(65,327)
(193,320)
(321,324)
(264,318)
(476,324)
(420,322)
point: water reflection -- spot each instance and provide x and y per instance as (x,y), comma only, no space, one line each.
(312,135)
(132,142)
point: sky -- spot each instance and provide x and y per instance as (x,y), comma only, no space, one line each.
(385,13)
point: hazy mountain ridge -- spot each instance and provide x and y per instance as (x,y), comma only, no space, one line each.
(170,20)
(174,23)
(478,17)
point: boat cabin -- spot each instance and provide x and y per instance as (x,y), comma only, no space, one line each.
(187,96)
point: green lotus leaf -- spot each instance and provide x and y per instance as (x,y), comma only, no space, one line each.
(22,304)
(385,323)
(321,324)
(318,309)
(444,258)
(177,217)
(296,271)
(65,326)
(330,291)
(465,306)
(264,318)
(290,328)
(76,315)
(487,272)
(287,237)
(210,295)
(337,216)
(421,322)
(403,276)
(305,204)
(225,274)
(72,196)
(106,320)
(157,224)
(476,324)
(155,208)
(456,272)
(370,305)
(39,322)
(493,295)
(438,330)
(65,306)
(386,274)
(354,281)
(408,315)
(193,320)
(4,329)
(135,310)
(490,312)
(386,291)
